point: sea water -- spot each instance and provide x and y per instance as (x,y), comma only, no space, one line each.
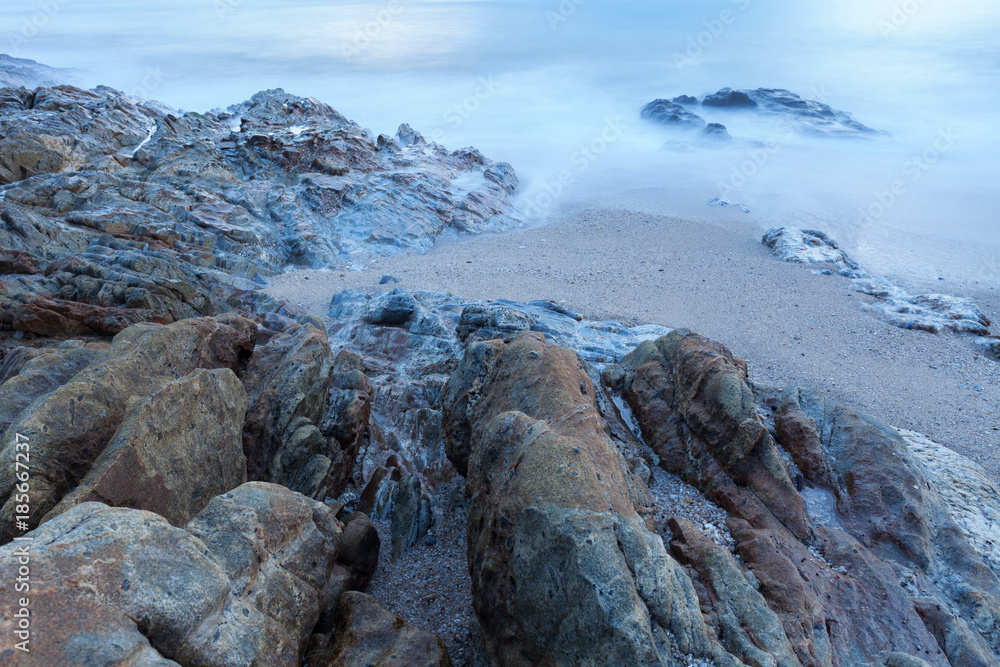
(555,87)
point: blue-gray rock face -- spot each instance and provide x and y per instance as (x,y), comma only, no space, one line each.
(795,113)
(133,212)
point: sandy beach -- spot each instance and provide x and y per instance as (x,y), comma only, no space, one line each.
(716,278)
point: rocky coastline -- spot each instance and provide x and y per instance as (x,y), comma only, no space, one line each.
(213,476)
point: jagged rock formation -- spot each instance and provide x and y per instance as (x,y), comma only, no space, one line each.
(927,312)
(241,584)
(116,211)
(849,543)
(71,425)
(791,111)
(834,539)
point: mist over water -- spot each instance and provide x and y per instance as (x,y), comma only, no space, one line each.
(555,88)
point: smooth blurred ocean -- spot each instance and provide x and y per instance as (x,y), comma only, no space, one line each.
(555,88)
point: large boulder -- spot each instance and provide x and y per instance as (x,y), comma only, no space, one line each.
(68,428)
(565,570)
(174,452)
(241,585)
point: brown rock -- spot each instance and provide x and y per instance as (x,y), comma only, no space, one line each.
(564,570)
(70,427)
(241,585)
(16,261)
(174,451)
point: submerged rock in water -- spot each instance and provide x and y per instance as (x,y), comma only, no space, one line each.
(668,113)
(804,115)
(722,202)
(727,97)
(927,312)
(794,113)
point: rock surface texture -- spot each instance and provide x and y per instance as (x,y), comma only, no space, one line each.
(196,474)
(559,547)
(927,312)
(117,211)
(850,545)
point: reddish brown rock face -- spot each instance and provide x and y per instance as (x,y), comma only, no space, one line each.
(844,578)
(16,261)
(174,451)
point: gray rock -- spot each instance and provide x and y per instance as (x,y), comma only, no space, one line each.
(668,113)
(21,72)
(928,312)
(288,382)
(727,97)
(241,585)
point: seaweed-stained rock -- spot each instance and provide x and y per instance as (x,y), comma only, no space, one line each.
(69,427)
(174,452)
(241,585)
(564,569)
(365,635)
(287,382)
